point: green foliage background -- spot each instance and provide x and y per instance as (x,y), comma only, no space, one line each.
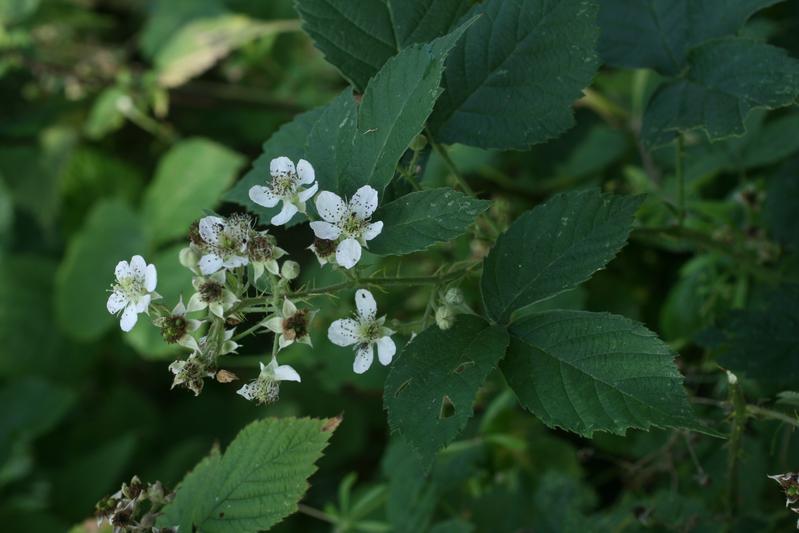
(121,121)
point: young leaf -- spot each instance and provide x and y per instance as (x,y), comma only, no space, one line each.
(256,483)
(512,79)
(554,248)
(431,388)
(658,33)
(420,219)
(112,233)
(190,178)
(727,78)
(588,372)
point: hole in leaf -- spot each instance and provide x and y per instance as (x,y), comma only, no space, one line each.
(447,408)
(402,387)
(463,366)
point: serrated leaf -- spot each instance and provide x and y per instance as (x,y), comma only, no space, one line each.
(112,232)
(359,37)
(763,343)
(554,248)
(431,388)
(658,33)
(420,219)
(727,78)
(189,179)
(256,483)
(512,79)
(588,372)
(330,143)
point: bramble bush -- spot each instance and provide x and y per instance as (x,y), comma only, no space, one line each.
(510,265)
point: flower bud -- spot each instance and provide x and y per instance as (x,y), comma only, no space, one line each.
(445,317)
(453,297)
(418,143)
(189,258)
(290,270)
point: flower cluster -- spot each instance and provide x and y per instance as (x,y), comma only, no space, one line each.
(790,486)
(239,270)
(134,508)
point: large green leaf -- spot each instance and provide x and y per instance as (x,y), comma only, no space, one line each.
(331,141)
(189,179)
(588,372)
(554,248)
(658,33)
(420,219)
(112,233)
(256,483)
(512,79)
(359,37)
(763,343)
(431,388)
(727,78)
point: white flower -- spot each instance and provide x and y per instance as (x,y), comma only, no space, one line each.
(364,331)
(211,294)
(266,388)
(177,328)
(133,290)
(291,324)
(286,185)
(226,243)
(348,222)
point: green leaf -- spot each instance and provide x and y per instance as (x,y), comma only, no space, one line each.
(762,343)
(774,142)
(431,388)
(511,81)
(256,483)
(15,11)
(112,233)
(189,179)
(359,37)
(106,116)
(727,78)
(554,248)
(420,219)
(165,19)
(588,372)
(658,33)
(330,143)
(780,212)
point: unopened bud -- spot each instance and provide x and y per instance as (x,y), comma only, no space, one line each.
(453,297)
(188,258)
(445,317)
(290,270)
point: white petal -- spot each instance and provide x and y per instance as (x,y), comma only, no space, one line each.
(247,391)
(263,196)
(286,373)
(330,206)
(210,228)
(364,202)
(372,230)
(285,214)
(234,261)
(343,332)
(122,270)
(306,195)
(365,302)
(150,278)
(385,350)
(348,253)
(116,302)
(129,318)
(363,358)
(274,324)
(305,172)
(325,230)
(281,165)
(210,263)
(282,342)
(138,266)
(196,303)
(143,303)
(180,307)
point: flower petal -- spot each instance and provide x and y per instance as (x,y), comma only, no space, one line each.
(210,263)
(330,206)
(288,211)
(386,350)
(150,278)
(247,391)
(281,165)
(343,332)
(210,228)
(129,318)
(138,267)
(365,302)
(263,196)
(364,202)
(143,303)
(116,302)
(306,195)
(325,230)
(234,261)
(286,373)
(305,172)
(363,358)
(288,308)
(372,230)
(122,270)
(348,253)
(274,324)
(196,303)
